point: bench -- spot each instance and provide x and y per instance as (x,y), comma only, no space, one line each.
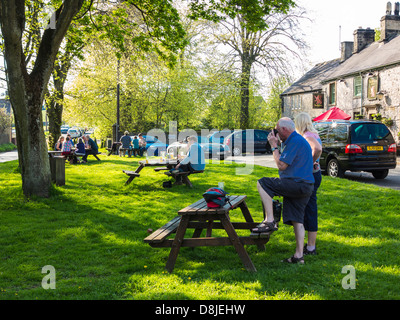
(122,152)
(184,177)
(95,155)
(131,174)
(161,168)
(198,216)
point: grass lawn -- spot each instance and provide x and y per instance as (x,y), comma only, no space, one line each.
(91,231)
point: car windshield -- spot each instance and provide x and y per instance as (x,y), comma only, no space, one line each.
(369,131)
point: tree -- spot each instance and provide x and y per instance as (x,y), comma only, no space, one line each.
(269,45)
(27,87)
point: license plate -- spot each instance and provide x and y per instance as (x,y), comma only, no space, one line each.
(374,148)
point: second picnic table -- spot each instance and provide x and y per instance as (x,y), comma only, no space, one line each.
(161,165)
(165,165)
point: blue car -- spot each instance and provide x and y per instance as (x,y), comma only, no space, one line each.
(218,136)
(154,146)
(211,150)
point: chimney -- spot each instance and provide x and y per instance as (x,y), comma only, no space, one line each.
(363,38)
(346,50)
(390,24)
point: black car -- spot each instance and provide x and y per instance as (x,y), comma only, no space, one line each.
(356,145)
(249,140)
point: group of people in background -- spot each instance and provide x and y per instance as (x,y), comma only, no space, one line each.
(137,144)
(84,147)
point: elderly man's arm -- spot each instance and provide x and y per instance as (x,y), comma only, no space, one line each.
(282,166)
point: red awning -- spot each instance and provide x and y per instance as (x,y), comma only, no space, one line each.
(333,113)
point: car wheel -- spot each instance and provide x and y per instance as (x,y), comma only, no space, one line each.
(236,151)
(380,174)
(334,169)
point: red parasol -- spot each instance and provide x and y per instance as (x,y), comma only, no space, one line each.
(333,113)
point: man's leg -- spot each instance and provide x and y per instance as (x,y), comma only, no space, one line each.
(267,201)
(299,234)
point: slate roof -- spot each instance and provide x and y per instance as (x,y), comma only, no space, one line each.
(312,80)
(377,55)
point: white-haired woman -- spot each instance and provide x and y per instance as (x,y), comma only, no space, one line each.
(305,127)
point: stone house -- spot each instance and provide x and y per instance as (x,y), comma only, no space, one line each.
(364,82)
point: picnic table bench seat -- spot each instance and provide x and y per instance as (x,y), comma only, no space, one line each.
(198,216)
(131,175)
(184,177)
(123,150)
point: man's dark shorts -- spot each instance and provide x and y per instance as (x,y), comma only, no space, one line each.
(295,196)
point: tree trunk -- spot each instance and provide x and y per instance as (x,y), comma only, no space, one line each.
(244,94)
(27,90)
(54,112)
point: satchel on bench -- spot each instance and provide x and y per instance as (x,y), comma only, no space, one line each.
(216,198)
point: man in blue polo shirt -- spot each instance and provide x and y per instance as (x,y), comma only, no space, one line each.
(295,183)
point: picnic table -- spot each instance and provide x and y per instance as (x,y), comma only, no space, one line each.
(198,217)
(161,165)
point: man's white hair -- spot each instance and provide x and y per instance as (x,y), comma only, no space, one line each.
(287,123)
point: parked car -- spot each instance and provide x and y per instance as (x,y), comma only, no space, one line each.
(356,145)
(219,136)
(153,145)
(249,140)
(64,129)
(211,150)
(74,132)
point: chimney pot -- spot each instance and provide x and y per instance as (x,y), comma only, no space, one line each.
(388,8)
(396,8)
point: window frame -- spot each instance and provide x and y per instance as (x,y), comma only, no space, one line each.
(355,86)
(332,96)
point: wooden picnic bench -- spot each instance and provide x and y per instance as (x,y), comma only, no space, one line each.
(198,217)
(161,165)
(184,177)
(123,150)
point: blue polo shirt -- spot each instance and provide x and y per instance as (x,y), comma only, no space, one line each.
(297,154)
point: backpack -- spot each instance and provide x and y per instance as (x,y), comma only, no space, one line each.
(216,197)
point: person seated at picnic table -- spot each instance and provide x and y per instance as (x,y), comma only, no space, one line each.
(142,145)
(91,148)
(67,149)
(194,160)
(135,146)
(80,148)
(59,144)
(126,142)
(70,139)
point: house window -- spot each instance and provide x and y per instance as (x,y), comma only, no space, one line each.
(357,87)
(332,93)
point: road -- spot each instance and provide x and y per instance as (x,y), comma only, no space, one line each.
(8,156)
(391,181)
(266,160)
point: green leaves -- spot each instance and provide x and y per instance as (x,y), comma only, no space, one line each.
(252,11)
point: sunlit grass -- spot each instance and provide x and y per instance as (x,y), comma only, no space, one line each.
(92,229)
